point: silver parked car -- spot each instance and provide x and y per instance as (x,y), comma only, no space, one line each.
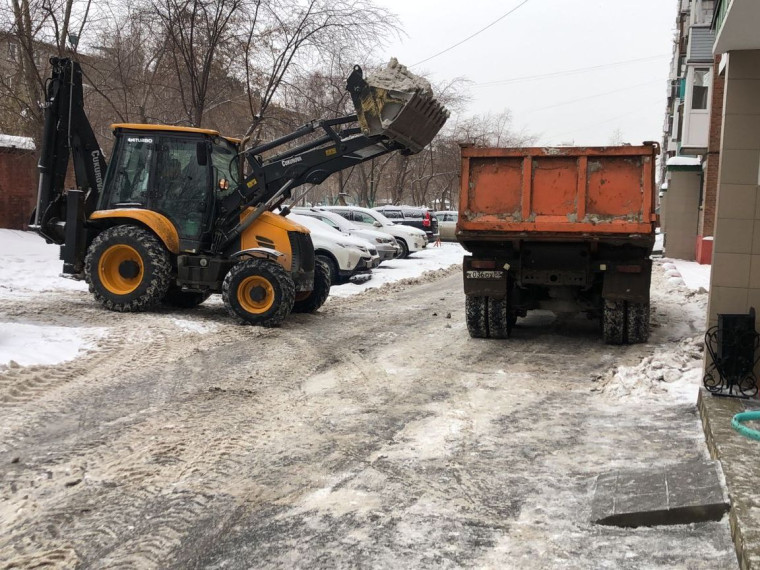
(447,224)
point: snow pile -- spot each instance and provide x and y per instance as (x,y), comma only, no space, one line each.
(10,141)
(28,266)
(683,161)
(671,372)
(24,344)
(691,274)
(396,77)
(429,259)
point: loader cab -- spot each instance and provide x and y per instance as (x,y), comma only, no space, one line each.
(177,172)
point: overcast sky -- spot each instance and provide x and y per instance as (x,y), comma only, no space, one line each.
(550,38)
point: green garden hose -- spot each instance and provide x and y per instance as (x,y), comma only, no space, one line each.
(736,423)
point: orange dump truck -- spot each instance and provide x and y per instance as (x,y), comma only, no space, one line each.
(563,229)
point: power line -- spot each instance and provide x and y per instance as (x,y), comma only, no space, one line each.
(568,71)
(497,20)
(586,127)
(653,81)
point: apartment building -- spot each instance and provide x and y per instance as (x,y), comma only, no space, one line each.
(735,278)
(689,171)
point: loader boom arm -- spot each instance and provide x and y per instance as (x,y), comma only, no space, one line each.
(271,181)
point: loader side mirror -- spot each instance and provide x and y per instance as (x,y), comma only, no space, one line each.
(201,156)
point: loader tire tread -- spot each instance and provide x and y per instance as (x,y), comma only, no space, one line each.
(275,274)
(155,259)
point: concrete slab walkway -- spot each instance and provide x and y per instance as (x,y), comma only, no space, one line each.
(740,458)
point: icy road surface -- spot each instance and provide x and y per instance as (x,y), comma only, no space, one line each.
(375,433)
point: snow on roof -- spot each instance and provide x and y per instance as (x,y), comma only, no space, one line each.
(10,141)
(683,161)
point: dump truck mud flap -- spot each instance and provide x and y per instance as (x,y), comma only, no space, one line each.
(489,280)
(628,282)
(397,104)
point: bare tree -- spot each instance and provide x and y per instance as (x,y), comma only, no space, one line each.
(37,29)
(198,31)
(287,34)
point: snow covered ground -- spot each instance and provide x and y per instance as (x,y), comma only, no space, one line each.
(690,273)
(30,268)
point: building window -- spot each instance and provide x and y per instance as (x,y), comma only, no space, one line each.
(12,51)
(700,88)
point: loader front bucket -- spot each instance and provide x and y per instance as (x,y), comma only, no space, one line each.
(396,104)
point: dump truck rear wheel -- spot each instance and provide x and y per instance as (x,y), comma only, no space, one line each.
(637,322)
(318,295)
(614,322)
(127,269)
(499,325)
(258,292)
(476,314)
(176,297)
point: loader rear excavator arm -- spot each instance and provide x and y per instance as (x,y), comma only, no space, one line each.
(59,216)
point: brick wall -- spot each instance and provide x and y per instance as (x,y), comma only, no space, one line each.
(712,160)
(18,187)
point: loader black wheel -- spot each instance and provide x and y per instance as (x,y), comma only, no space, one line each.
(499,320)
(613,322)
(128,269)
(176,297)
(318,295)
(476,314)
(637,322)
(258,292)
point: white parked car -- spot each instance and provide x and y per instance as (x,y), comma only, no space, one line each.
(408,238)
(346,256)
(386,245)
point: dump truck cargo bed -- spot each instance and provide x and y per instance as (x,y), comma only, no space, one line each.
(565,192)
(562,229)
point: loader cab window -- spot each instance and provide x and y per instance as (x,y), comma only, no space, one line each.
(224,159)
(130,174)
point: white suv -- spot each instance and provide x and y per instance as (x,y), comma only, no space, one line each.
(346,256)
(409,239)
(386,245)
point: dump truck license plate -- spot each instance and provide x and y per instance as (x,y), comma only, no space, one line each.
(485,275)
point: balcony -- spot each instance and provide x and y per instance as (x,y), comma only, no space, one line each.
(736,25)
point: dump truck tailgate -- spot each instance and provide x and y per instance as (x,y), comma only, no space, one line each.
(571,191)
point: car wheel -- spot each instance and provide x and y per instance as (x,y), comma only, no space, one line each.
(315,298)
(332,267)
(404,251)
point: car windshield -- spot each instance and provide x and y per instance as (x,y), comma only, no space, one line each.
(313,224)
(380,218)
(335,220)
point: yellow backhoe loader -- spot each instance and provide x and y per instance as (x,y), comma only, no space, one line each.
(181,213)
